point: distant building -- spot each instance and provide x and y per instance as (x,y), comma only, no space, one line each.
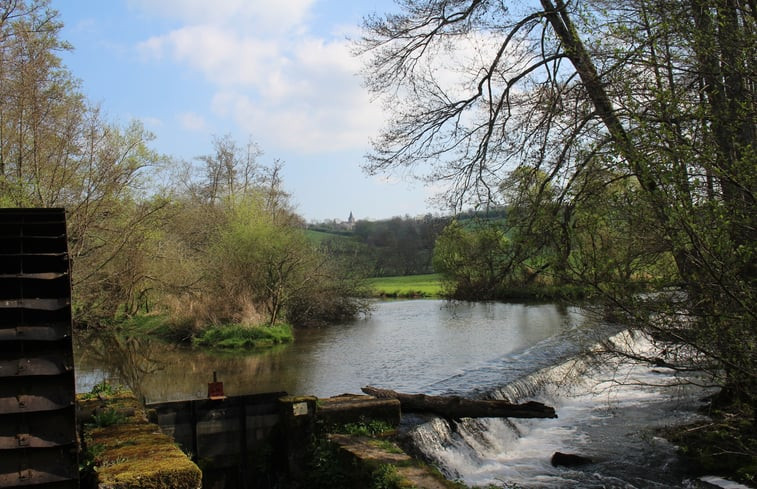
(337,224)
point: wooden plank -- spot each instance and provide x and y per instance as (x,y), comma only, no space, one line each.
(39,466)
(37,430)
(33,276)
(220,430)
(39,304)
(41,332)
(31,365)
(18,395)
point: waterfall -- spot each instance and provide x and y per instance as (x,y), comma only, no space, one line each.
(608,411)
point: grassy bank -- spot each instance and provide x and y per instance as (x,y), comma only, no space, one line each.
(430,286)
(155,325)
(410,286)
(223,337)
(237,336)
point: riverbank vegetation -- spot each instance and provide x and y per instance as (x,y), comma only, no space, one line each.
(203,243)
(235,336)
(725,444)
(607,148)
(621,137)
(399,246)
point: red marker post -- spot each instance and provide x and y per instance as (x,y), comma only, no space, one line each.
(215,389)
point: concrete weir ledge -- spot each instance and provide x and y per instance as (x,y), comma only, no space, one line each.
(124,449)
(372,456)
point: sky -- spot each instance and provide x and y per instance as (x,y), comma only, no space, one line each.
(277,73)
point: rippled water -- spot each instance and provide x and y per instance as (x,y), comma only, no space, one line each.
(425,346)
(516,351)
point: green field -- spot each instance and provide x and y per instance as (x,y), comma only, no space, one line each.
(407,286)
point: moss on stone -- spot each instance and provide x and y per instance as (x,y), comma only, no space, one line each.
(124,403)
(135,453)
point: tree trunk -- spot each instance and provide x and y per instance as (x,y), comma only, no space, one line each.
(454,407)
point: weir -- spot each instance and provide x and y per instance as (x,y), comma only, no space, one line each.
(611,411)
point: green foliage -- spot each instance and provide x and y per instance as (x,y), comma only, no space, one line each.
(267,270)
(385,476)
(103,389)
(153,324)
(327,238)
(56,150)
(624,147)
(726,445)
(87,460)
(397,246)
(370,428)
(108,417)
(475,262)
(236,336)
(325,470)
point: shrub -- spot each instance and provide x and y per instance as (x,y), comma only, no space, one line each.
(239,336)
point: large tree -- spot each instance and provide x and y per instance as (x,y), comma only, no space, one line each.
(56,150)
(235,251)
(647,103)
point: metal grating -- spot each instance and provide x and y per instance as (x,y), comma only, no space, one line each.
(37,386)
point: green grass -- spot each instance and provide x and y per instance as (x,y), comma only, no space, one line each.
(317,237)
(370,428)
(146,324)
(407,286)
(104,389)
(108,417)
(237,336)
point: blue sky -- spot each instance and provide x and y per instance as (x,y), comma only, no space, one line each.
(279,73)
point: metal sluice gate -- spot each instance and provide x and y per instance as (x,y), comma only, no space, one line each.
(38,445)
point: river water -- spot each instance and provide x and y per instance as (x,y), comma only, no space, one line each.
(608,412)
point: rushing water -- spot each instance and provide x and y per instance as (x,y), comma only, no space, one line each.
(521,352)
(608,412)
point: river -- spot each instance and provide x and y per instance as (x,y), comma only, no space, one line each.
(607,412)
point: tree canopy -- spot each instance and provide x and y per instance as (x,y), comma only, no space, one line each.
(133,245)
(634,123)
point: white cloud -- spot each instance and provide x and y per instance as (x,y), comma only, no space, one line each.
(192,121)
(303,125)
(152,122)
(222,56)
(270,75)
(260,16)
(296,90)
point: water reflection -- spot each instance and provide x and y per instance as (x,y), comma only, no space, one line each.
(157,371)
(404,345)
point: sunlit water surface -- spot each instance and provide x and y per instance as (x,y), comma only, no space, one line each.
(609,412)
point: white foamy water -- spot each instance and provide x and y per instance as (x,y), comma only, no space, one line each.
(608,412)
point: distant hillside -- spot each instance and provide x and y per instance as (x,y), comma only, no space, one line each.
(390,247)
(318,236)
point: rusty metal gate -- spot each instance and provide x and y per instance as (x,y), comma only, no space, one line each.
(37,386)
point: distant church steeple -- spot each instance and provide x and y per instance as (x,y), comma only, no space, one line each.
(351,219)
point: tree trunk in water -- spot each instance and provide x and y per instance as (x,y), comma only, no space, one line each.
(453,407)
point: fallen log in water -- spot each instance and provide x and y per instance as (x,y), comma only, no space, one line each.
(454,407)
